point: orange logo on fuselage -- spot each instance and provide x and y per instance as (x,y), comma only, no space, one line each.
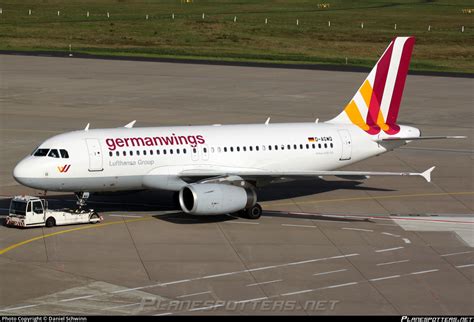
(64,168)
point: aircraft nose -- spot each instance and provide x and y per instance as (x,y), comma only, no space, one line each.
(20,172)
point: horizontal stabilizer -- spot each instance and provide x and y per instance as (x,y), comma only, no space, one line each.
(414,138)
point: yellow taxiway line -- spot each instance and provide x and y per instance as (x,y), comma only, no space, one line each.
(9,248)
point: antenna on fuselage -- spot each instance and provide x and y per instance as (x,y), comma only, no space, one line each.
(316,121)
(267,121)
(131,124)
(87,127)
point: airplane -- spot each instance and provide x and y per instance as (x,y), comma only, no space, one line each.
(217,169)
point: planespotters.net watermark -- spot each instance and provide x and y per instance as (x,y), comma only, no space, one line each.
(262,305)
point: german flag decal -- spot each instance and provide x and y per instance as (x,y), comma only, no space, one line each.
(311,140)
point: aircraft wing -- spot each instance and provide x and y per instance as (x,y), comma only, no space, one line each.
(216,175)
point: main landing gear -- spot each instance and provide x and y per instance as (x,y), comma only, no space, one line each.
(81,198)
(253,212)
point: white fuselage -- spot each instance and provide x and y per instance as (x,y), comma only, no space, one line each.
(153,157)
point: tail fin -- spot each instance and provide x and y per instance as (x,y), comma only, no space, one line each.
(375,105)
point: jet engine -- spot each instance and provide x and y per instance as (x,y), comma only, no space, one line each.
(215,199)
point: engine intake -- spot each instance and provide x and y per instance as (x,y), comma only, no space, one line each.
(215,199)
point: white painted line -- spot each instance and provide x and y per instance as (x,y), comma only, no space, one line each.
(330,272)
(175,282)
(194,294)
(389,234)
(460,253)
(359,229)
(160,314)
(297,292)
(242,222)
(305,226)
(383,278)
(407,241)
(77,298)
(261,268)
(467,265)
(19,308)
(388,249)
(220,275)
(120,306)
(206,307)
(396,262)
(252,300)
(424,272)
(263,283)
(343,256)
(342,285)
(125,216)
(230,273)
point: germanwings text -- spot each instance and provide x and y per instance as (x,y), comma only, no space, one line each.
(193,140)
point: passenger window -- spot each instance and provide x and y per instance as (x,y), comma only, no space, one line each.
(269,148)
(164,151)
(131,153)
(307,146)
(244,148)
(225,149)
(288,146)
(276,147)
(283,147)
(325,145)
(212,150)
(184,151)
(53,153)
(194,150)
(138,152)
(250,148)
(295,147)
(177,151)
(157,152)
(41,152)
(205,150)
(331,145)
(231,149)
(238,149)
(319,145)
(301,146)
(110,153)
(124,153)
(313,146)
(64,154)
(117,153)
(171,151)
(144,152)
(29,207)
(218,149)
(151,152)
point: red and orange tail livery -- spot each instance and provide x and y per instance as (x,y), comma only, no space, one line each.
(375,105)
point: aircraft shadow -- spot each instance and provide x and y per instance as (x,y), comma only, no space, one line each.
(157,200)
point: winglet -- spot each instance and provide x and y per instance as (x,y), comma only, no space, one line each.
(87,127)
(131,124)
(427,174)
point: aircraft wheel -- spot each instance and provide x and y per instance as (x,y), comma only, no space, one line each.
(254,212)
(50,222)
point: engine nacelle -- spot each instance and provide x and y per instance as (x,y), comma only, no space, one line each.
(215,199)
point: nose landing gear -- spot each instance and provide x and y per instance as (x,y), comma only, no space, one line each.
(81,198)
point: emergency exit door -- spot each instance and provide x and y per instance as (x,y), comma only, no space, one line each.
(95,155)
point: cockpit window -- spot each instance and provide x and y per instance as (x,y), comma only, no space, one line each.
(53,153)
(64,154)
(41,152)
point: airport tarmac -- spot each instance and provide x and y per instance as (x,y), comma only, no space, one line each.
(380,246)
